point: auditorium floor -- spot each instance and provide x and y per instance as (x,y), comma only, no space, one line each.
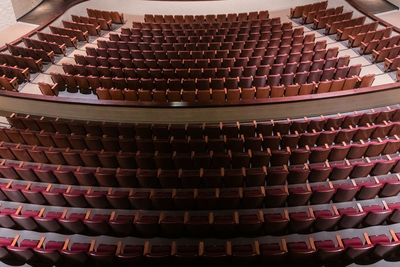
(15,31)
(392,17)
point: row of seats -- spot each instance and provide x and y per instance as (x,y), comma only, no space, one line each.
(58,49)
(379,44)
(35,53)
(276,22)
(341,247)
(206,35)
(121,49)
(210,68)
(303,10)
(349,30)
(105,24)
(230,35)
(334,27)
(254,15)
(367,245)
(218,96)
(115,17)
(263,57)
(49,192)
(277,174)
(129,89)
(68,32)
(308,17)
(356,40)
(231,223)
(352,138)
(10,72)
(327,21)
(92,29)
(58,39)
(385,53)
(226,69)
(194,154)
(210,78)
(356,119)
(22,62)
(215,59)
(299,43)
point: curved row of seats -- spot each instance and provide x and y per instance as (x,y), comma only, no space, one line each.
(264,14)
(219,138)
(356,119)
(148,175)
(120,222)
(341,247)
(196,154)
(193,198)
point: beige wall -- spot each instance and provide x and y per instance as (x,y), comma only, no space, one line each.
(7,16)
(21,7)
(395,2)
